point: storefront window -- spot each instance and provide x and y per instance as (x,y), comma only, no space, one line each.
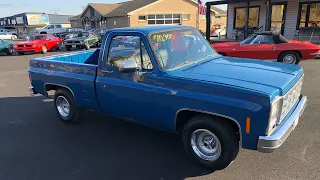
(161,19)
(309,15)
(240,17)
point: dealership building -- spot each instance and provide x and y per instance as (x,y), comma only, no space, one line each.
(143,13)
(26,23)
(295,19)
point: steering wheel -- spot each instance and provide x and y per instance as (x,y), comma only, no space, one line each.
(160,61)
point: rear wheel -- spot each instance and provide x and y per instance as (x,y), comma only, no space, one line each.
(289,57)
(10,50)
(44,49)
(87,46)
(68,47)
(213,143)
(66,107)
(59,47)
(13,37)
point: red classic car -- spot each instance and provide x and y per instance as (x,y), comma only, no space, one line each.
(39,43)
(269,46)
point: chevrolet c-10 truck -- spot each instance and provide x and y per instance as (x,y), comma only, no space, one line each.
(172,80)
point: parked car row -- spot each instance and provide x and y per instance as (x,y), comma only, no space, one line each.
(42,43)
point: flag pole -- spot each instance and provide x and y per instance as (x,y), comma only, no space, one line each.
(198,14)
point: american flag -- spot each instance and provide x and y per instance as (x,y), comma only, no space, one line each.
(202,8)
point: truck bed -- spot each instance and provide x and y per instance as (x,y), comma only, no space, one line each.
(76,71)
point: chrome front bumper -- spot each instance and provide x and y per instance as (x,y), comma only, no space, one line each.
(32,91)
(270,143)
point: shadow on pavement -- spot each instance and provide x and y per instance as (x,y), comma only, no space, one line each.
(35,144)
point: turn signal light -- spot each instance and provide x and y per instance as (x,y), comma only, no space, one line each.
(248,125)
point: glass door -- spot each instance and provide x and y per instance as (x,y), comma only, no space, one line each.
(278,16)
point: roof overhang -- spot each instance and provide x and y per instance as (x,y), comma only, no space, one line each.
(228,2)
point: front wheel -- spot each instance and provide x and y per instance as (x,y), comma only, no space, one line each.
(44,49)
(87,46)
(10,50)
(21,53)
(211,142)
(68,47)
(66,107)
(289,57)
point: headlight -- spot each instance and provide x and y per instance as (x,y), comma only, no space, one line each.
(274,116)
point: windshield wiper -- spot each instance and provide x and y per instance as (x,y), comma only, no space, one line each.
(183,64)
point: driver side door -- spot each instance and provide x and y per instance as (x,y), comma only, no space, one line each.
(128,95)
(247,50)
(265,49)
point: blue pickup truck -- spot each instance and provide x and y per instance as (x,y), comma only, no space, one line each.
(172,80)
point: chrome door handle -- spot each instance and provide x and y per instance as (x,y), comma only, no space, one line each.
(106,72)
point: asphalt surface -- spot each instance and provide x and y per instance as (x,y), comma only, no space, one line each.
(36,145)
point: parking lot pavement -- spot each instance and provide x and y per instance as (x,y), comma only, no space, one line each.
(35,144)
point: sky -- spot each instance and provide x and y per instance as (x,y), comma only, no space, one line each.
(74,7)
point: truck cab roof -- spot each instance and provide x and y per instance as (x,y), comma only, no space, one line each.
(149,29)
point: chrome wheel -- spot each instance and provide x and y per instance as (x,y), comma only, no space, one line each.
(63,106)
(290,59)
(44,49)
(206,145)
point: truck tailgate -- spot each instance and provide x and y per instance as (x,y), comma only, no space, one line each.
(69,71)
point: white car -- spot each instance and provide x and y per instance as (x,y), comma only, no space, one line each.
(8,36)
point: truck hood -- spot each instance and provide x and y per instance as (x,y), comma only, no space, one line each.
(77,39)
(30,42)
(271,78)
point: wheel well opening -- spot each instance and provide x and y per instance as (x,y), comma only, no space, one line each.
(300,55)
(184,116)
(52,87)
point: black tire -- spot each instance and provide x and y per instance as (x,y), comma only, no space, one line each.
(59,47)
(87,46)
(21,53)
(9,51)
(293,54)
(74,112)
(222,54)
(68,47)
(225,133)
(44,49)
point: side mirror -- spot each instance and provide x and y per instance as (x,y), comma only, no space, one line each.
(127,66)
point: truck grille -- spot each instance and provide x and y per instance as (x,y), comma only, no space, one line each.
(291,98)
(76,42)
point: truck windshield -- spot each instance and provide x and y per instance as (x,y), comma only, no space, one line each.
(177,48)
